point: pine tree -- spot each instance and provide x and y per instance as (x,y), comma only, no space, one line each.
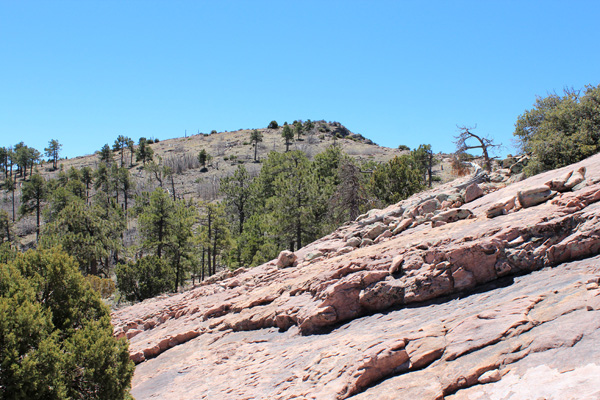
(144,151)
(203,158)
(131,147)
(10,185)
(256,137)
(293,207)
(53,151)
(5,227)
(33,194)
(237,190)
(89,233)
(120,144)
(105,154)
(287,136)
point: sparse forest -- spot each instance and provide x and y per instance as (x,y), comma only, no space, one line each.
(127,224)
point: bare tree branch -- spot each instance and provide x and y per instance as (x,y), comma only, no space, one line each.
(485,143)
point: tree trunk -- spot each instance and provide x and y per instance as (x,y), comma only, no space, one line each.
(429,166)
(37,215)
(160,238)
(203,264)
(214,262)
(209,242)
(173,186)
(177,272)
(13,202)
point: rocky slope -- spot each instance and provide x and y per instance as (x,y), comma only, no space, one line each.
(470,291)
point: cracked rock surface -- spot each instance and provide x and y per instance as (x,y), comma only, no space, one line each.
(475,308)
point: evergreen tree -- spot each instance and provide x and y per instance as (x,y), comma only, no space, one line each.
(256,137)
(203,158)
(56,339)
(155,222)
(10,185)
(53,151)
(560,129)
(287,136)
(147,277)
(88,233)
(119,145)
(350,197)
(294,206)
(87,177)
(237,190)
(5,227)
(105,155)
(144,151)
(131,147)
(397,179)
(298,129)
(21,159)
(425,161)
(215,236)
(4,161)
(125,184)
(180,245)
(33,194)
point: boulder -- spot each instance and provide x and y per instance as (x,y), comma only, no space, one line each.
(354,242)
(501,207)
(375,230)
(472,192)
(386,234)
(286,259)
(366,242)
(428,206)
(402,226)
(452,215)
(534,196)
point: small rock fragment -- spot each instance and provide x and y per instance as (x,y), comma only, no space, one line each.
(366,242)
(575,179)
(490,376)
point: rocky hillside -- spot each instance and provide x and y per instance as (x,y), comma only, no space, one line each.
(474,290)
(228,150)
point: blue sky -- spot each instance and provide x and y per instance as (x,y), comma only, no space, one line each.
(398,72)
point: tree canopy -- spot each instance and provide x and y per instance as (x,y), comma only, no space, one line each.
(560,129)
(56,340)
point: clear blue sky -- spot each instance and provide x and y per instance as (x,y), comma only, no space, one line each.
(398,72)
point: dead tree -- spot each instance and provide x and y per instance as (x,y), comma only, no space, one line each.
(485,144)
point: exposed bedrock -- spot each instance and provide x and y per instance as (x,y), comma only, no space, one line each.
(473,303)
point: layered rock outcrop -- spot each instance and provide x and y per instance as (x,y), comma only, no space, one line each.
(431,298)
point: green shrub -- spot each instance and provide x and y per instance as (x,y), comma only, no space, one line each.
(104,286)
(56,339)
(147,277)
